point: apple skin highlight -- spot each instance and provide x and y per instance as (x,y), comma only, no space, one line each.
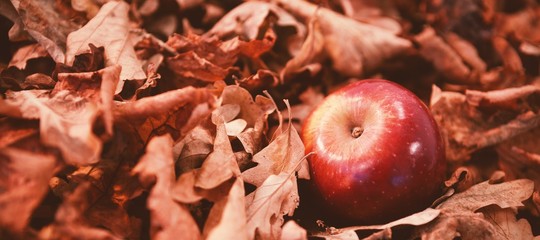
(378,155)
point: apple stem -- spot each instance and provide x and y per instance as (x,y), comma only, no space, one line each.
(357,132)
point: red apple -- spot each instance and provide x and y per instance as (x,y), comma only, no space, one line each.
(378,152)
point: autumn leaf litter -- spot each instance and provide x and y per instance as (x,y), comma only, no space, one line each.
(181,119)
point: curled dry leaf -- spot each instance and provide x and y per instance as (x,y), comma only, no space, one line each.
(156,170)
(355,48)
(444,58)
(227,218)
(276,197)
(283,155)
(467,128)
(463,178)
(220,165)
(249,21)
(109,29)
(24,183)
(254,113)
(46,25)
(416,219)
(59,114)
(179,111)
(248,18)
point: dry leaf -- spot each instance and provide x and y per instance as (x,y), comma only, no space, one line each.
(266,206)
(168,218)
(220,165)
(507,226)
(444,58)
(355,48)
(26,53)
(109,29)
(416,219)
(467,128)
(255,113)
(283,155)
(504,195)
(179,111)
(24,183)
(227,218)
(59,115)
(46,25)
(465,225)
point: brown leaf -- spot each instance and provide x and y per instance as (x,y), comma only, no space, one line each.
(248,18)
(345,41)
(194,148)
(416,219)
(59,114)
(179,111)
(507,226)
(504,195)
(220,165)
(443,57)
(85,85)
(110,29)
(168,218)
(520,156)
(464,225)
(69,220)
(463,178)
(467,128)
(283,155)
(255,113)
(227,218)
(24,183)
(26,53)
(266,206)
(46,25)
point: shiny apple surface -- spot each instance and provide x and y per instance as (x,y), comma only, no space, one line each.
(378,152)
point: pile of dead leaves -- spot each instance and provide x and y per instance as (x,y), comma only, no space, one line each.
(170,119)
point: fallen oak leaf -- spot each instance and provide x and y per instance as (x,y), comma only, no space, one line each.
(467,129)
(355,48)
(110,29)
(506,224)
(416,219)
(46,25)
(466,225)
(156,169)
(283,155)
(179,111)
(255,113)
(85,84)
(246,21)
(504,195)
(58,115)
(227,218)
(266,206)
(220,165)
